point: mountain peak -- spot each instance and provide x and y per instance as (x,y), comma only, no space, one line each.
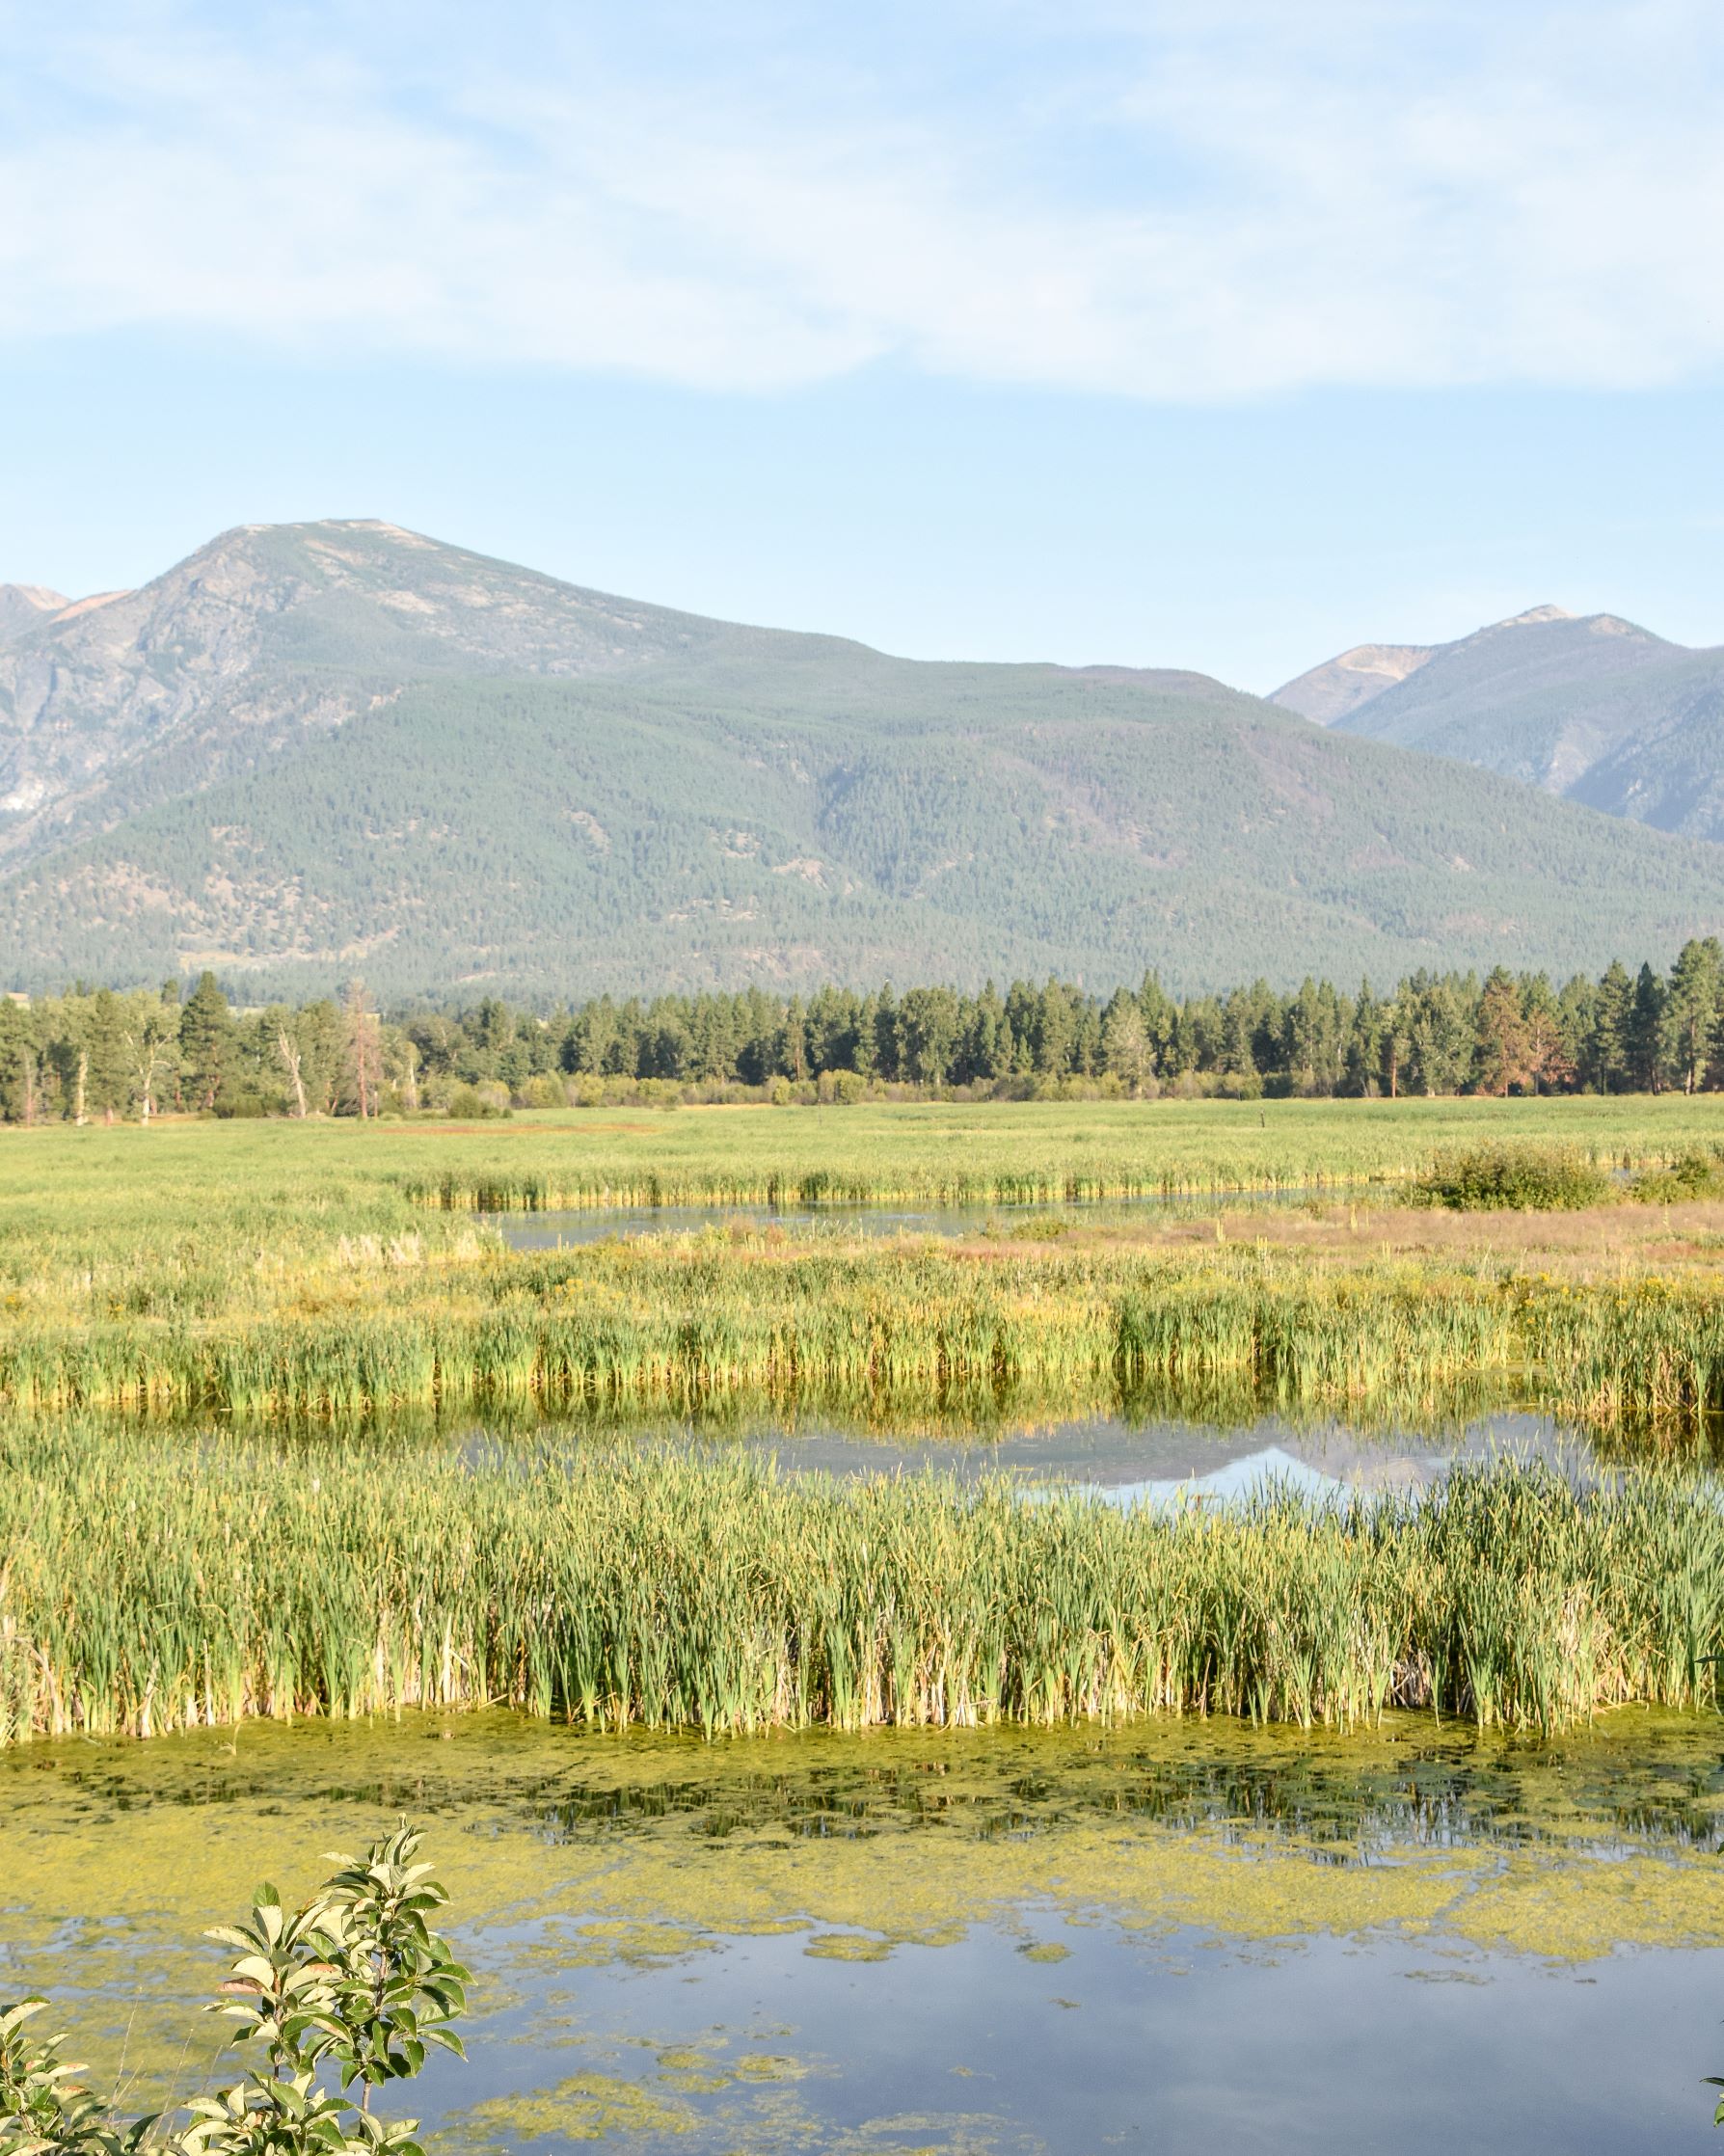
(1533,614)
(24,606)
(1591,706)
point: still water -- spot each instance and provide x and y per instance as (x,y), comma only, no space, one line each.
(1179,1937)
(1033,1219)
(1158,1460)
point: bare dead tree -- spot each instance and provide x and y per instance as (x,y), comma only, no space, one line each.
(409,1076)
(288,1049)
(147,1050)
(362,1049)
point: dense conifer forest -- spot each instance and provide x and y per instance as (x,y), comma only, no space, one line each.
(101,1055)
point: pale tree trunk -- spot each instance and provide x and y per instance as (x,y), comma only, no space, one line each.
(289,1048)
(147,1059)
(78,1114)
(362,1045)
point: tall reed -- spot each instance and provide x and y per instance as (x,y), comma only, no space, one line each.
(877,1329)
(152,1584)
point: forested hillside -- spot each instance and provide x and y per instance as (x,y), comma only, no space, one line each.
(1596,709)
(316,751)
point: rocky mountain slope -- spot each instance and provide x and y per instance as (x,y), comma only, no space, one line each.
(24,606)
(1593,708)
(319,750)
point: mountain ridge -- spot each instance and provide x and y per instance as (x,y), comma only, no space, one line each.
(1593,708)
(308,751)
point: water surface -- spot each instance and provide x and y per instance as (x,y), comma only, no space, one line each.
(1186,1937)
(1028,1220)
(1158,1460)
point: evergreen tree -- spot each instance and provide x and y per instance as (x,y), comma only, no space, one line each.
(1611,1050)
(1691,1012)
(1504,1050)
(928,1032)
(1443,1036)
(1240,1015)
(206,1042)
(1548,1065)
(109,1076)
(1646,1034)
(1366,1039)
(1160,1019)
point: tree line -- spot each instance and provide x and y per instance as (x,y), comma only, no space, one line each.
(101,1054)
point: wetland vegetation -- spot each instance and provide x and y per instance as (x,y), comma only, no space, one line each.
(216,1341)
(1139,1773)
(160,1581)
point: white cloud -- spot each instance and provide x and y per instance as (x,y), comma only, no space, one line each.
(1172,203)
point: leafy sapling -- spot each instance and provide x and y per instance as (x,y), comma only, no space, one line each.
(398,1988)
(357,1984)
(43,2111)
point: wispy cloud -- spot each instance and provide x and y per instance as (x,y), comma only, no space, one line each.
(1180,203)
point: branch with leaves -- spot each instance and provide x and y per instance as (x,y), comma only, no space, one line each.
(356,1985)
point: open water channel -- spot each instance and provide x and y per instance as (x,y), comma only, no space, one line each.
(566,1228)
(1172,1937)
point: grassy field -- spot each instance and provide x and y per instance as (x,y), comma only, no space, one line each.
(255,1270)
(156,1584)
(299,1186)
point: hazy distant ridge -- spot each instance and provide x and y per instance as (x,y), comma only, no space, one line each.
(1593,708)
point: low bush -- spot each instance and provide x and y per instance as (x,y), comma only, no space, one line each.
(344,1995)
(1694,1176)
(1509,1178)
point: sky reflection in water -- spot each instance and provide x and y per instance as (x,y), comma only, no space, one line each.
(1179,1937)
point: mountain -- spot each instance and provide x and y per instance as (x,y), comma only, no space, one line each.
(321,749)
(25,607)
(1329,693)
(1592,708)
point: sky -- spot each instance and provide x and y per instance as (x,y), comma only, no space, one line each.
(1222,335)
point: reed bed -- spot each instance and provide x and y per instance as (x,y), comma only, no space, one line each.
(151,1586)
(884,1329)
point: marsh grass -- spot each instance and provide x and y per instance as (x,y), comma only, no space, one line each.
(883,1332)
(283,1272)
(152,1585)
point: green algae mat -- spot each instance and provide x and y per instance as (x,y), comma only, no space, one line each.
(1192,1935)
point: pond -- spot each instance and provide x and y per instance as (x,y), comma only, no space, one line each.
(566,1229)
(1156,1460)
(1179,1936)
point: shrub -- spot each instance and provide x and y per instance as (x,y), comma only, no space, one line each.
(1508,1179)
(1693,1175)
(350,1990)
(471,1103)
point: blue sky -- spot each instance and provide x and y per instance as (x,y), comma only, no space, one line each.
(1218,335)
